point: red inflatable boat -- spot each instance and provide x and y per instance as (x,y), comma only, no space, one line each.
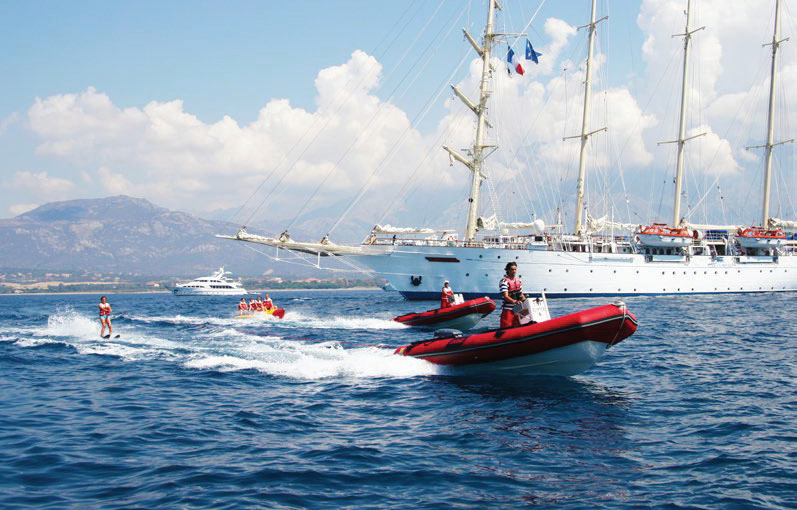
(461,316)
(566,345)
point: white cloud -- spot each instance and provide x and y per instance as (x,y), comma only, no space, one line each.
(7,122)
(170,156)
(40,184)
(18,209)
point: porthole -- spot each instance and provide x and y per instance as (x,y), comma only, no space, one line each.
(499,256)
(467,274)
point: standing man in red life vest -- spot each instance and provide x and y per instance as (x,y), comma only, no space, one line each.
(268,304)
(511,290)
(105,317)
(447,296)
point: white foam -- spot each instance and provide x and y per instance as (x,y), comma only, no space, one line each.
(337,322)
(185,319)
(226,348)
(319,361)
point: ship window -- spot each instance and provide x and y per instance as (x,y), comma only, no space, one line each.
(467,274)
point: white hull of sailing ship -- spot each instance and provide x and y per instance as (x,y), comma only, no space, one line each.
(419,272)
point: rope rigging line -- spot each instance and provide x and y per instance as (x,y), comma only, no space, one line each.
(365,131)
(418,118)
(348,94)
(317,119)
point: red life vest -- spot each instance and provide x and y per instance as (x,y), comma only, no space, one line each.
(243,307)
(105,310)
(268,304)
(512,286)
(445,302)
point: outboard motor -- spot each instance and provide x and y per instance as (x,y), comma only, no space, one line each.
(447,333)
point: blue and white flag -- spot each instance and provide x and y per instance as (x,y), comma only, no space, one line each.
(531,54)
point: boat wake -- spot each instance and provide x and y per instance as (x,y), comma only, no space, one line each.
(340,322)
(220,346)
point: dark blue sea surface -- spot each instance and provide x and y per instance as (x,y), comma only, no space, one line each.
(191,408)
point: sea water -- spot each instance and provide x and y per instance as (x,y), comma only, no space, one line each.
(191,408)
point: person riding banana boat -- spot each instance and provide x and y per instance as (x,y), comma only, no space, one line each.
(258,307)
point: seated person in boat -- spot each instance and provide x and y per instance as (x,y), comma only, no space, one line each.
(268,304)
(447,296)
(243,307)
(252,305)
(511,290)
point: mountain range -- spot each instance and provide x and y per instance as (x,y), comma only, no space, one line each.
(124,234)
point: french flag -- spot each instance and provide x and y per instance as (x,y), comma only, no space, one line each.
(514,62)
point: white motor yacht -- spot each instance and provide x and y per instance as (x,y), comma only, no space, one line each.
(215,285)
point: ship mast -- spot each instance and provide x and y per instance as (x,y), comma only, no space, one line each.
(480,110)
(679,170)
(771,116)
(584,136)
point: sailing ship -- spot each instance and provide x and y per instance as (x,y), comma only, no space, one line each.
(598,257)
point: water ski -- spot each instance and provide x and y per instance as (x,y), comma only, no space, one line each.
(109,336)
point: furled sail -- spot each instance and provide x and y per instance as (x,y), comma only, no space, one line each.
(492,223)
(603,223)
(779,223)
(390,229)
(323,247)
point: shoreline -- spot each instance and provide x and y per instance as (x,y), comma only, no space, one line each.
(114,292)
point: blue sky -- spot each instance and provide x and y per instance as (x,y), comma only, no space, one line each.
(224,58)
(97,70)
